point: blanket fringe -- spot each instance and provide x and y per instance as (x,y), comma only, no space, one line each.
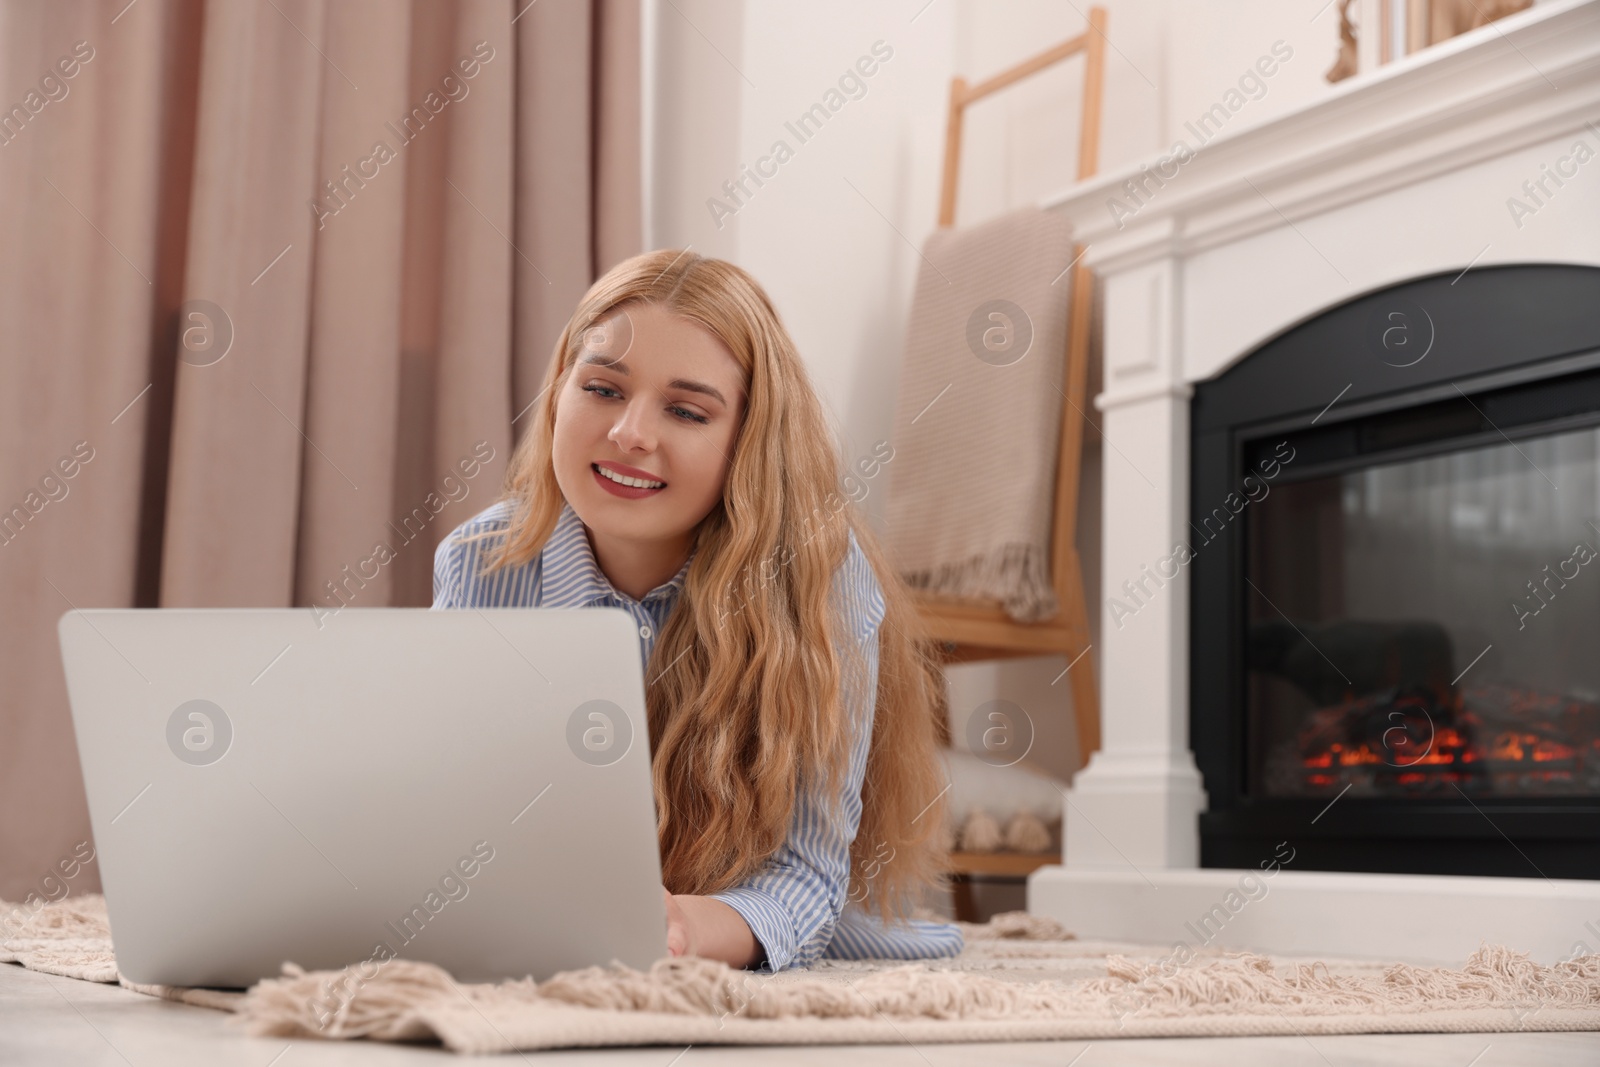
(1017,574)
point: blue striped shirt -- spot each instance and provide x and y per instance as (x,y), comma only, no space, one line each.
(796,903)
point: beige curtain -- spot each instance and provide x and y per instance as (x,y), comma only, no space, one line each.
(269,271)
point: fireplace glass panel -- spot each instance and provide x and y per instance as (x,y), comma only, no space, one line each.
(1421,627)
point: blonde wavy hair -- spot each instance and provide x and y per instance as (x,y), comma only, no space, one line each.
(746,701)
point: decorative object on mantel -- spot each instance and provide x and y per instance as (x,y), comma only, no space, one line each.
(1386,30)
(1019,978)
(1346,63)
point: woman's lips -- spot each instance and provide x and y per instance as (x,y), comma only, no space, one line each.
(627,492)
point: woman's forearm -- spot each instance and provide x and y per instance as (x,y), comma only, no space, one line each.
(718,932)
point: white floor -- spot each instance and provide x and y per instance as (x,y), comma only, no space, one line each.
(47,1020)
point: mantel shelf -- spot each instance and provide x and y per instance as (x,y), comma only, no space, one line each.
(1512,83)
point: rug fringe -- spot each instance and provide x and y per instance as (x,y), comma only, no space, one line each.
(391,1006)
(1016,926)
(1493,976)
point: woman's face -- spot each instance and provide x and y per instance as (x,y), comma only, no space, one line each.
(657,397)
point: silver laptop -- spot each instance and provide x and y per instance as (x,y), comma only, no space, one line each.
(469,788)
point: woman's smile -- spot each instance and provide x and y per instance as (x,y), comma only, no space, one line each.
(625,485)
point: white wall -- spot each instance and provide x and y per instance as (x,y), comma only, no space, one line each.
(834,234)
(692,103)
(832,257)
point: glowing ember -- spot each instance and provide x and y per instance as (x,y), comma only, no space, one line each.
(1489,738)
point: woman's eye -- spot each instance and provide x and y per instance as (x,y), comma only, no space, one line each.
(683,413)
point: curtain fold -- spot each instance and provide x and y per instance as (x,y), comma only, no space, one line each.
(233,492)
(277,269)
(355,299)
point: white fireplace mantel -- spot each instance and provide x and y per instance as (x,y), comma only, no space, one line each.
(1402,172)
(1396,173)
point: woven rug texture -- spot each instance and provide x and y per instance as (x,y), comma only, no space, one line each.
(1020,977)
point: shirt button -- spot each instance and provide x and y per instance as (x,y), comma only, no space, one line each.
(644,631)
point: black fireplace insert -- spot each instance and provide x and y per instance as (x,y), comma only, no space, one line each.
(1394,565)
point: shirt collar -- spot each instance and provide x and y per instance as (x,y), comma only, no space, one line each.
(581,582)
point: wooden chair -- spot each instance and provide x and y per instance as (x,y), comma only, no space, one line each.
(973,631)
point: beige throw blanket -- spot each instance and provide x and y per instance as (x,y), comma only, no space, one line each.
(977,428)
(1020,978)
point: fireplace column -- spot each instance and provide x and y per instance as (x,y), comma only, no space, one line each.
(1138,800)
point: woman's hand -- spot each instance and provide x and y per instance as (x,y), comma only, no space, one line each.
(706,927)
(678,941)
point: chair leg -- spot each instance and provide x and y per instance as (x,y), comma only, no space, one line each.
(1086,709)
(1085,690)
(966,907)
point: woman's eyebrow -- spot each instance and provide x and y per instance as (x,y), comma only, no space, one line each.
(677,383)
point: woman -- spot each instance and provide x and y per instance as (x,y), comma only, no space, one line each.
(679,466)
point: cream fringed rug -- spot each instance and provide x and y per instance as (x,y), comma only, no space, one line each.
(1020,978)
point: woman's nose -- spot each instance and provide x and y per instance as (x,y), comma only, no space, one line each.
(633,429)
